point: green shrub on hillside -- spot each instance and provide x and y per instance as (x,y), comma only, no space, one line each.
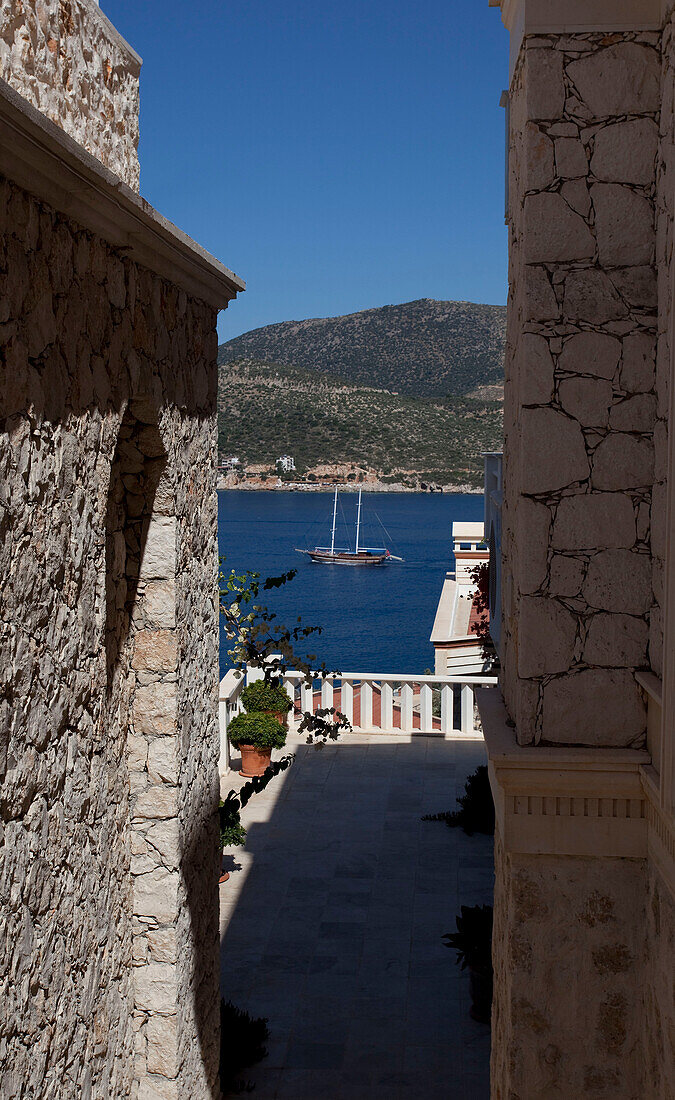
(264,407)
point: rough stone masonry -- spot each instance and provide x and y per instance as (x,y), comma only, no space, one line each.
(68,60)
(584,935)
(108,678)
(585,429)
(109,673)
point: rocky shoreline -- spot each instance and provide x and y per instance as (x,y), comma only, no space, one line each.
(256,486)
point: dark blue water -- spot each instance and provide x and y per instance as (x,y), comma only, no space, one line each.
(374,619)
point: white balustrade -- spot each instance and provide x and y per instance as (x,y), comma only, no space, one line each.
(229,704)
(372,703)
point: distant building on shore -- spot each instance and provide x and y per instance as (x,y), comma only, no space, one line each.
(457,647)
(230,463)
(285,464)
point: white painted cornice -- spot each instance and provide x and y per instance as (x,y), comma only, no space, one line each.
(39,157)
(522,17)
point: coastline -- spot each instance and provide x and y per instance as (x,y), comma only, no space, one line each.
(225,484)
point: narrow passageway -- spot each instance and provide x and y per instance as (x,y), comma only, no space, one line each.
(332,925)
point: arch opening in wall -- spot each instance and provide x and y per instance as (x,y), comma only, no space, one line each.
(141,659)
(137,468)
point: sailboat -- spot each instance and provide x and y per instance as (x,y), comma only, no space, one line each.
(362,555)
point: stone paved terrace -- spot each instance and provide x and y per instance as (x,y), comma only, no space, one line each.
(331,926)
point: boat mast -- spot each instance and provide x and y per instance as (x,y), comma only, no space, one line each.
(358,522)
(332,538)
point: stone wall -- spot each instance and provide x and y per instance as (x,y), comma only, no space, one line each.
(665,210)
(569,963)
(658,1000)
(108,738)
(583,941)
(68,60)
(581,414)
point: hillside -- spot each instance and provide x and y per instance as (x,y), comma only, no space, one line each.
(424,348)
(266,409)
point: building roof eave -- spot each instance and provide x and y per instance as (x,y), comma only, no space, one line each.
(39,157)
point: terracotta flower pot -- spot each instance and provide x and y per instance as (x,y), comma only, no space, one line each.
(280,715)
(254,761)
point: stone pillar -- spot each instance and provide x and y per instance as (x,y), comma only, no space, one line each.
(154,757)
(172,752)
(583,546)
(581,403)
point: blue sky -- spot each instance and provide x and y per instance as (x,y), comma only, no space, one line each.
(337,156)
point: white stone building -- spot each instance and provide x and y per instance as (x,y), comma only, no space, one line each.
(581,737)
(285,464)
(108,692)
(457,648)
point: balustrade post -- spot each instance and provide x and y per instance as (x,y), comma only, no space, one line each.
(366,705)
(289,684)
(386,707)
(467,709)
(347,701)
(307,697)
(406,708)
(426,709)
(447,700)
(224,760)
(327,694)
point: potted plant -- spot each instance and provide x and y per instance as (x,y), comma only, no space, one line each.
(232,832)
(473,943)
(255,734)
(268,697)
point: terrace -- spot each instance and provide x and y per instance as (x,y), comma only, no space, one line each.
(333,916)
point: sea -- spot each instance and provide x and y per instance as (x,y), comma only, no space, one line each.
(373,619)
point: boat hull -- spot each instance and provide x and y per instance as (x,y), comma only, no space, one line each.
(325,557)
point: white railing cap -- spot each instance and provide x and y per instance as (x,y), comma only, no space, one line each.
(397,677)
(232,680)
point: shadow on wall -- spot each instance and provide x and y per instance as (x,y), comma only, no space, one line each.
(199,871)
(140,492)
(137,467)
